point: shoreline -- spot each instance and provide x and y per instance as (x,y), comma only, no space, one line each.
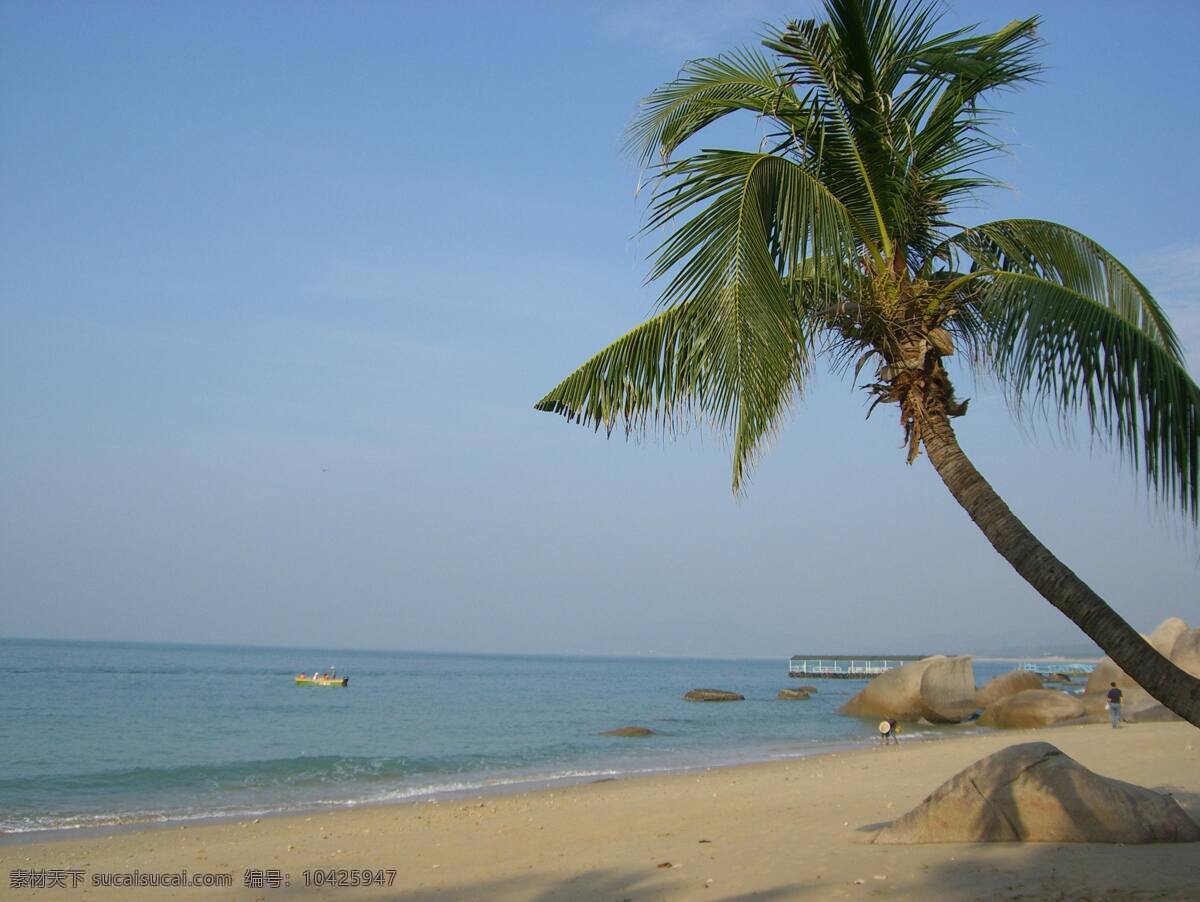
(782,828)
(519,784)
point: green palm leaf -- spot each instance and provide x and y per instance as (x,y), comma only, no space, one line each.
(686,365)
(728,303)
(1062,255)
(749,213)
(706,90)
(653,375)
(1072,330)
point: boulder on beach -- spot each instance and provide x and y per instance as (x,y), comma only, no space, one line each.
(713,695)
(1137,706)
(629,731)
(1154,713)
(1034,793)
(1185,653)
(1166,634)
(799,693)
(1032,708)
(1172,639)
(1105,673)
(1133,698)
(940,689)
(1058,678)
(1005,685)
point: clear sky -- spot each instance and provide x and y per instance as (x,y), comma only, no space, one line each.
(280,283)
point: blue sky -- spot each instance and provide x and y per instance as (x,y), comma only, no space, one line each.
(282,281)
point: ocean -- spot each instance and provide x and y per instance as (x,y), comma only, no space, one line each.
(98,734)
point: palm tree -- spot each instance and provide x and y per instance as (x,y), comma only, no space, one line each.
(835,239)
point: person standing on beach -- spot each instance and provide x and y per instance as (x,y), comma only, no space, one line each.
(1114,705)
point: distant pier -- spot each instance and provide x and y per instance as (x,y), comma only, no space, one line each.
(1069,668)
(845,667)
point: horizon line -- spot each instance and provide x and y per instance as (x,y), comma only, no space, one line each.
(511,654)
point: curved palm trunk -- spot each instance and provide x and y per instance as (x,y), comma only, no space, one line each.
(1054,581)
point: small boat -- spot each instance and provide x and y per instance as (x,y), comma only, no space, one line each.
(303,680)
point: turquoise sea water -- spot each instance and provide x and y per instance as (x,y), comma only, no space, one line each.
(96,734)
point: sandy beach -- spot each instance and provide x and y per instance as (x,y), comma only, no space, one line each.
(800,828)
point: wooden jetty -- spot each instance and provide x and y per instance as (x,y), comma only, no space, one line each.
(845,667)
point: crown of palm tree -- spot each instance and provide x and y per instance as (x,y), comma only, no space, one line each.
(836,236)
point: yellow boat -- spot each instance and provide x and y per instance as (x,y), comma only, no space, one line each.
(303,680)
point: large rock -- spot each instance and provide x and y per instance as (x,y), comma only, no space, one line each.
(1005,685)
(1185,654)
(1034,793)
(1032,708)
(1169,639)
(1155,713)
(939,689)
(1166,634)
(1107,672)
(1133,698)
(1137,706)
(713,695)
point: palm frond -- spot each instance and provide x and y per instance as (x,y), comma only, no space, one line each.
(657,374)
(1070,329)
(961,72)
(687,365)
(738,202)
(1063,255)
(843,147)
(747,220)
(753,218)
(705,90)
(760,219)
